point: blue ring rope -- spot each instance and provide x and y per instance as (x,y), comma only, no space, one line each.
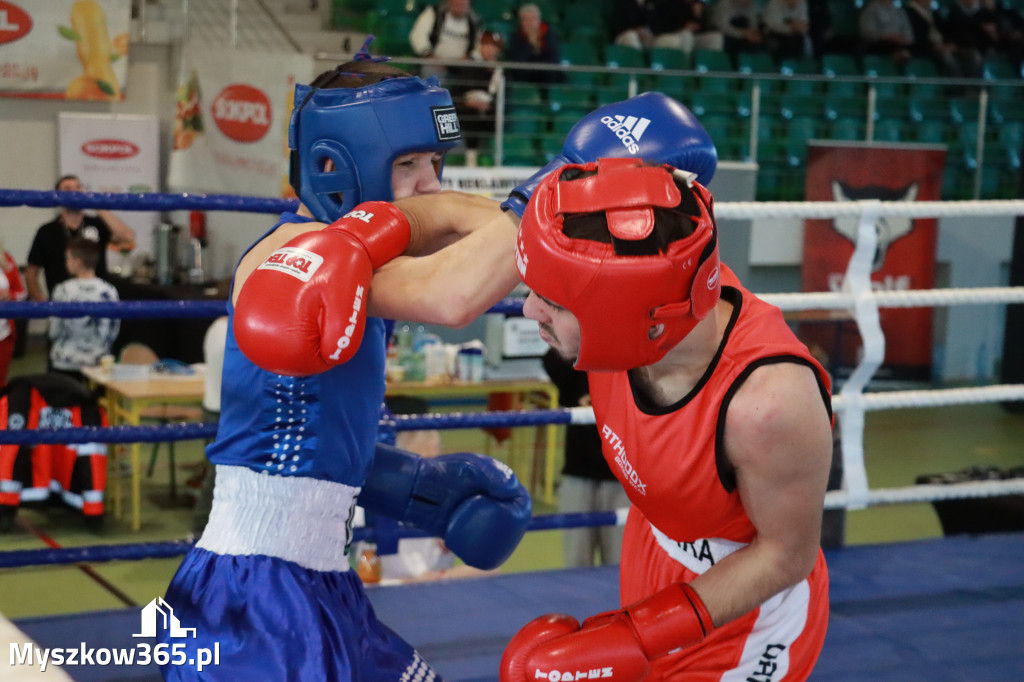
(155,309)
(203,430)
(145,201)
(166,550)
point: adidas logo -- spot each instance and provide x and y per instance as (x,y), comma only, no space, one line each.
(629,129)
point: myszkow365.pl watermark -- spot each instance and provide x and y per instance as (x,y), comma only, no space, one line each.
(155,613)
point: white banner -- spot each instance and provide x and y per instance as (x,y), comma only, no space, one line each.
(495,182)
(73,49)
(115,153)
(231,122)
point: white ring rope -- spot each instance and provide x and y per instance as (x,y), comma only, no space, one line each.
(917,298)
(861,303)
(833,209)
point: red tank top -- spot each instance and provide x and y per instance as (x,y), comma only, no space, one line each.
(687,513)
(670,459)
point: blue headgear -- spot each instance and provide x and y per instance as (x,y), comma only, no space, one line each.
(362,131)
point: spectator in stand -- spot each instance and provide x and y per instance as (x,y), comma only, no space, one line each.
(787,29)
(1005,27)
(965,28)
(47,252)
(740,23)
(929,39)
(473,90)
(684,25)
(536,42)
(449,30)
(823,34)
(12,288)
(631,22)
(885,29)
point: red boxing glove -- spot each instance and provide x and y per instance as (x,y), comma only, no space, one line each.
(303,310)
(617,645)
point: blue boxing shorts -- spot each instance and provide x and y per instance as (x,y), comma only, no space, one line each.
(258,616)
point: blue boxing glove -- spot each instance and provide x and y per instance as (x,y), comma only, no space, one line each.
(474,502)
(651,126)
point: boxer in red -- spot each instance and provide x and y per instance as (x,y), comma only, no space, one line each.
(716,419)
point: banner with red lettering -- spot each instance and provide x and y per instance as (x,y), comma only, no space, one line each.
(905,255)
(231,122)
(64,49)
(115,153)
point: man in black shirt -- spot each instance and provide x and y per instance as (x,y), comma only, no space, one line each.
(51,240)
(587,483)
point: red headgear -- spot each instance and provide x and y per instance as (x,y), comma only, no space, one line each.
(617,298)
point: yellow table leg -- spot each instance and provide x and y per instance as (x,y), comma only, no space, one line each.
(135,418)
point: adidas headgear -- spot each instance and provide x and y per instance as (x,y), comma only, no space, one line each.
(618,298)
(362,131)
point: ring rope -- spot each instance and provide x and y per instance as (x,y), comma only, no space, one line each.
(124,309)
(158,201)
(834,209)
(164,550)
(171,309)
(915,298)
(145,201)
(833,500)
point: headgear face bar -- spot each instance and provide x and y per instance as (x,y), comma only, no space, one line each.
(362,131)
(618,298)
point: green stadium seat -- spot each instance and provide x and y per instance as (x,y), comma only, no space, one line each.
(759,62)
(576,53)
(721,129)
(713,62)
(393,35)
(847,129)
(998,68)
(528,123)
(579,13)
(668,59)
(712,103)
(493,10)
(881,66)
(569,96)
(563,121)
(769,145)
(520,151)
(622,56)
(796,134)
(1011,144)
(607,94)
(890,130)
(925,106)
(551,146)
(592,35)
(521,94)
(963,109)
(837,106)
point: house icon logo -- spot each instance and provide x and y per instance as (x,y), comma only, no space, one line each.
(160,610)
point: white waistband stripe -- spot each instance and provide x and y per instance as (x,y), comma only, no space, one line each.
(699,555)
(304,520)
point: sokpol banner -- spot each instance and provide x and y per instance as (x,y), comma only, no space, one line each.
(904,258)
(231,122)
(115,153)
(64,49)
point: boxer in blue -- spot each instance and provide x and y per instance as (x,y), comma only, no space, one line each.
(269,583)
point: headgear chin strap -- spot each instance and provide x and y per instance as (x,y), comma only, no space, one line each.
(618,298)
(362,131)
